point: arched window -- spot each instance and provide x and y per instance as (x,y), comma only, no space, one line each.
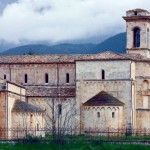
(103,74)
(136,37)
(67,78)
(46,77)
(113,114)
(145,85)
(4,76)
(26,78)
(59,109)
(98,114)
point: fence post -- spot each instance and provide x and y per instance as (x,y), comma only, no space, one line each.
(17,133)
(126,133)
(35,130)
(118,133)
(26,131)
(108,133)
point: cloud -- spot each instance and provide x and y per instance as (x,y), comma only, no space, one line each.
(60,20)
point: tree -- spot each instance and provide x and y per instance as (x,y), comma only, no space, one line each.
(30,52)
(63,117)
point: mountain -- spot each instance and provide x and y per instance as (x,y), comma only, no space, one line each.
(115,43)
(56,49)
(26,49)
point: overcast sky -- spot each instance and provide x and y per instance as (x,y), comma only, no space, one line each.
(61,20)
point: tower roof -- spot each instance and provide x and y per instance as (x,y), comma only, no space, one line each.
(137,10)
(137,14)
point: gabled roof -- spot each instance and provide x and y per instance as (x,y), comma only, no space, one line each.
(21,106)
(103,99)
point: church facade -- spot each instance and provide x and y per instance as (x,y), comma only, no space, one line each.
(105,90)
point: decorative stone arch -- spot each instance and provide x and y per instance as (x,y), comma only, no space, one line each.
(109,108)
(98,108)
(118,108)
(135,27)
(102,108)
(113,109)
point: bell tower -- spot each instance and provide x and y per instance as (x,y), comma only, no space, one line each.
(137,32)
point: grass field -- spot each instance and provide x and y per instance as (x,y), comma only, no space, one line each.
(77,142)
(73,146)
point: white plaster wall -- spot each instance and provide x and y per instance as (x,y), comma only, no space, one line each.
(16,89)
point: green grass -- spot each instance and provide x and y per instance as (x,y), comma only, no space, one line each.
(87,137)
(73,146)
(77,142)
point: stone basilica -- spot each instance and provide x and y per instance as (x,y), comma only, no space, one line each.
(81,91)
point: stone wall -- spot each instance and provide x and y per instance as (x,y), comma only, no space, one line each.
(36,73)
(3,110)
(92,70)
(69,112)
(143,118)
(143,35)
(142,94)
(117,83)
(101,117)
(30,121)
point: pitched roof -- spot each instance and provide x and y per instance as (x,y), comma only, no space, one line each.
(136,57)
(38,91)
(108,55)
(13,59)
(103,99)
(21,106)
(37,58)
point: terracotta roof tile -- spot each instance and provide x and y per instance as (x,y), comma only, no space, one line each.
(38,91)
(136,57)
(20,106)
(108,55)
(103,99)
